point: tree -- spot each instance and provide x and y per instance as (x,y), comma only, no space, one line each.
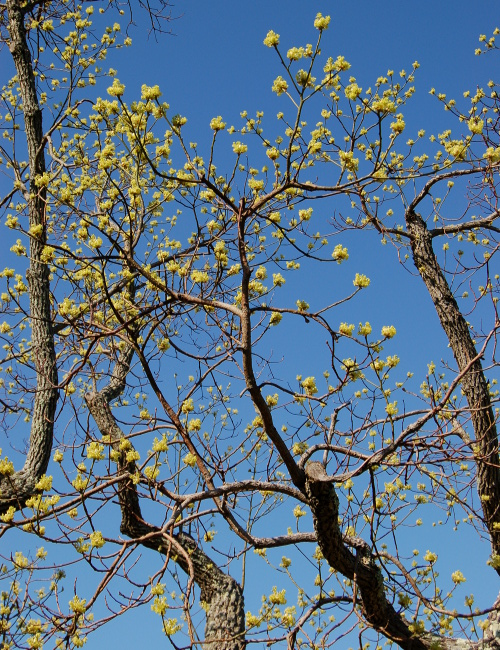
(157,286)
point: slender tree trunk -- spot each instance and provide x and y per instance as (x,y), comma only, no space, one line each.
(473,383)
(16,488)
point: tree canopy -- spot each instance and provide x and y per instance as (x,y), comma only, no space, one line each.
(155,300)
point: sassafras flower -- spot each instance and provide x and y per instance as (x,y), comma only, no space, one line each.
(150,92)
(309,385)
(340,253)
(364,330)
(361,281)
(384,105)
(348,161)
(298,512)
(346,329)
(295,53)
(199,277)
(352,91)
(302,305)
(321,22)
(239,147)
(391,408)
(272,39)
(189,460)
(457,577)
(388,331)
(279,86)
(216,123)
(117,89)
(97,540)
(275,318)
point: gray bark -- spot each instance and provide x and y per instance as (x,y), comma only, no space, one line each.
(15,489)
(367,577)
(473,383)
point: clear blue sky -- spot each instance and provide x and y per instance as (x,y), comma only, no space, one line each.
(216,64)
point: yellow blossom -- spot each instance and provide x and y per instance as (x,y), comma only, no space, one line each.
(150,92)
(298,512)
(384,105)
(279,86)
(392,408)
(302,305)
(117,89)
(189,460)
(364,330)
(77,605)
(272,39)
(361,281)
(275,318)
(95,451)
(216,123)
(187,406)
(352,91)
(96,539)
(321,22)
(277,597)
(348,161)
(457,577)
(239,147)
(346,329)
(44,483)
(388,331)
(475,125)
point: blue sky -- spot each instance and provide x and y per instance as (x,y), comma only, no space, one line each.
(216,64)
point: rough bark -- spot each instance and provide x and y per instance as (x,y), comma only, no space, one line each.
(15,489)
(359,568)
(367,576)
(223,596)
(473,383)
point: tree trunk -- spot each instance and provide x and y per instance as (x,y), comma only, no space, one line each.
(473,383)
(15,489)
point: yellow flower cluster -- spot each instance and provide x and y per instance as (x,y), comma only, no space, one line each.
(340,253)
(44,483)
(95,451)
(275,318)
(346,329)
(364,330)
(194,425)
(279,86)
(272,39)
(187,406)
(239,147)
(384,105)
(277,597)
(97,540)
(216,123)
(77,605)
(117,89)
(352,91)
(321,22)
(361,281)
(189,460)
(348,161)
(388,331)
(198,277)
(150,92)
(309,386)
